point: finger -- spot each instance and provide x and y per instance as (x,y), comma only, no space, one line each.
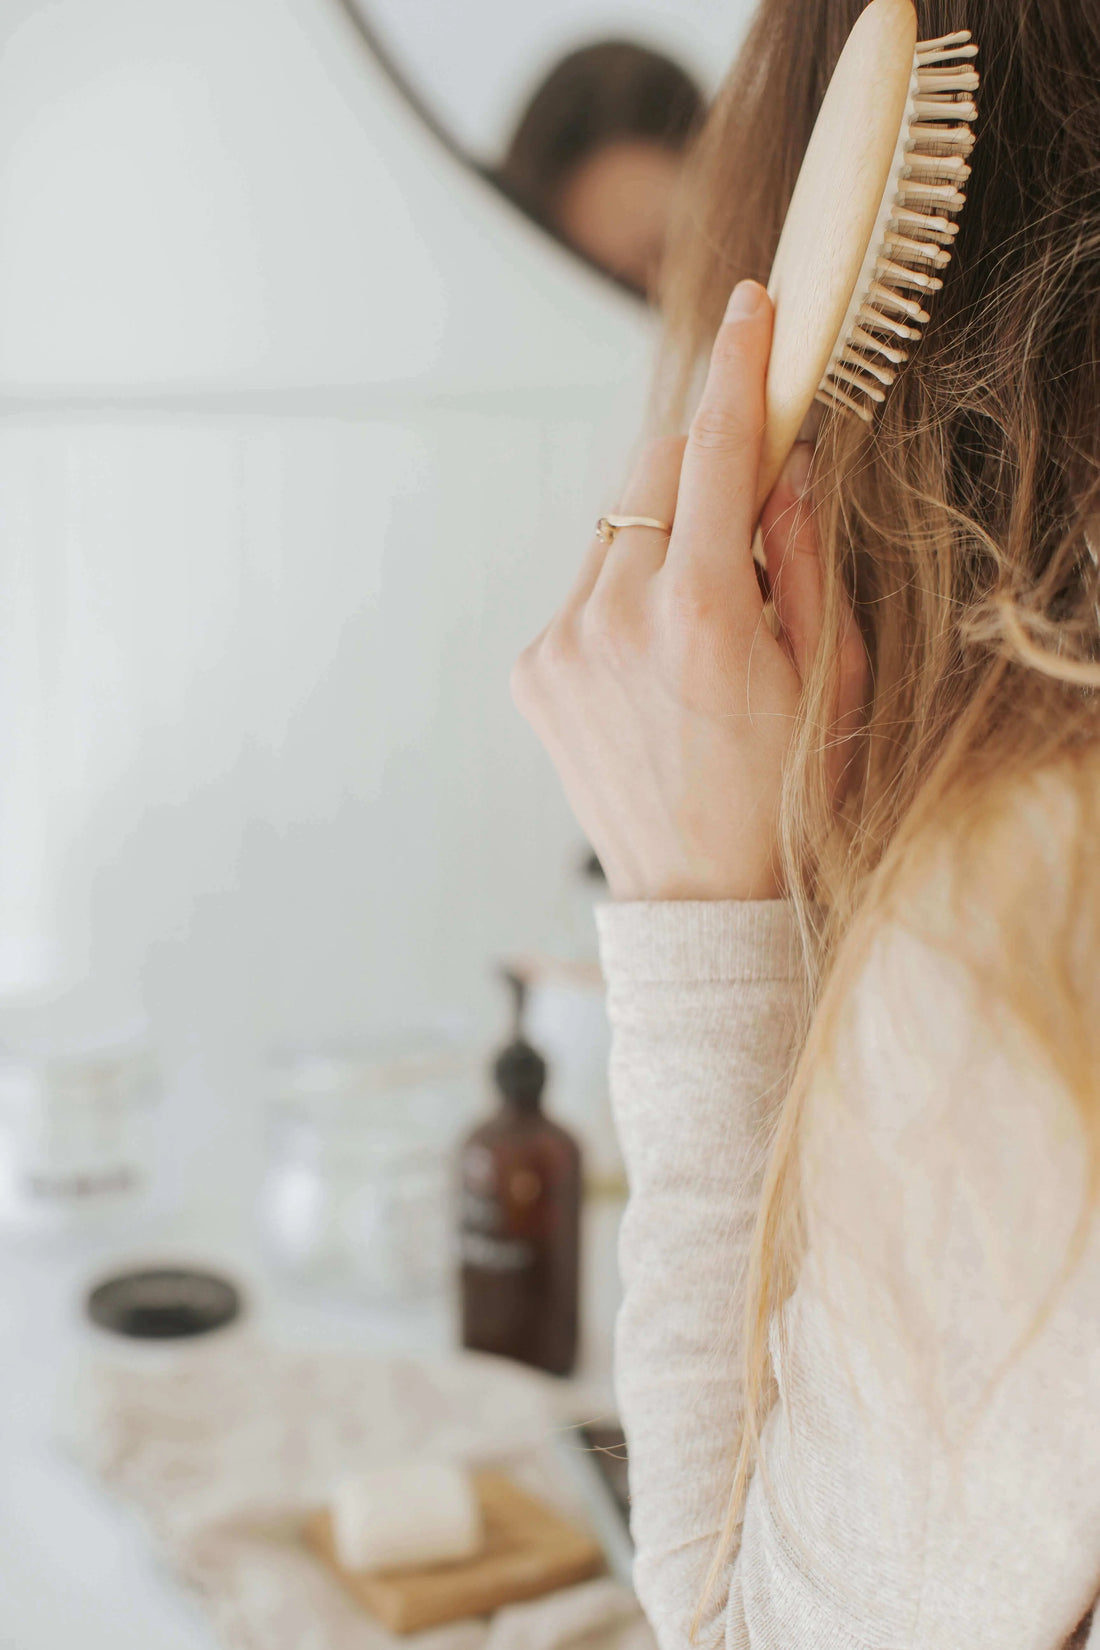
(651,491)
(653,487)
(715,510)
(795,575)
(792,561)
(589,571)
(639,552)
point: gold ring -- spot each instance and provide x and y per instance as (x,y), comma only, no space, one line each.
(608,526)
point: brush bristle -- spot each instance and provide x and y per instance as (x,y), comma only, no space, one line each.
(921,232)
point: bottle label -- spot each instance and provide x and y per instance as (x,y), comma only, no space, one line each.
(479,1213)
(495,1254)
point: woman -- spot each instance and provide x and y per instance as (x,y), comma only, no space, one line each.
(598,152)
(852,950)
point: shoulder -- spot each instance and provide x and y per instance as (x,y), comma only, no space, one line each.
(951,1131)
(992,928)
(1032,831)
(1026,834)
(944,1335)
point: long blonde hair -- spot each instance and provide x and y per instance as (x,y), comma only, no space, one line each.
(959,529)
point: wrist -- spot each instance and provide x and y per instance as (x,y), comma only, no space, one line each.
(684,886)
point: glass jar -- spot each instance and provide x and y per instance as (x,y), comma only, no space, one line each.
(358,1191)
(78,1104)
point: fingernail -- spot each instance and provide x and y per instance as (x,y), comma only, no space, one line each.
(745,300)
(796,471)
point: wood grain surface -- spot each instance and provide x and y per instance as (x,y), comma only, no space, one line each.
(529,1549)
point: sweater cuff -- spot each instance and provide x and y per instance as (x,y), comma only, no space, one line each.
(665,941)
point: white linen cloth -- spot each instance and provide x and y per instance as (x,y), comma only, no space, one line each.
(224,1447)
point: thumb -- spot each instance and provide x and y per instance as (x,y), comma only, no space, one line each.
(792,560)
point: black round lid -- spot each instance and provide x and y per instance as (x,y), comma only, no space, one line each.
(164,1303)
(519,1070)
(520,1073)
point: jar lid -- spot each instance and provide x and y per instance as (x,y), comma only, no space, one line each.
(164,1303)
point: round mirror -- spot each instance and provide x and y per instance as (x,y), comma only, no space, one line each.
(580,111)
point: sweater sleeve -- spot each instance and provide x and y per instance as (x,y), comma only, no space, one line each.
(703,1002)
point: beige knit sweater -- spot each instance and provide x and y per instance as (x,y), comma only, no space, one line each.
(931,1467)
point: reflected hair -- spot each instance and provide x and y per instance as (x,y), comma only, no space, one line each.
(609,92)
(962,528)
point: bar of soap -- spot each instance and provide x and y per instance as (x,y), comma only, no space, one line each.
(425,1512)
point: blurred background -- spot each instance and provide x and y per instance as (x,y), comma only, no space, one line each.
(323,341)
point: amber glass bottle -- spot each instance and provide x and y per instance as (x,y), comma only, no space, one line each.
(520,1239)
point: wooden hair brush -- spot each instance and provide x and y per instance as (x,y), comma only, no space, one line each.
(871,222)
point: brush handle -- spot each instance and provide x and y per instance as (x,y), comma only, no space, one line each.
(832,218)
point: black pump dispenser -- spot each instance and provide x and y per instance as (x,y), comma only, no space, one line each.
(519,1070)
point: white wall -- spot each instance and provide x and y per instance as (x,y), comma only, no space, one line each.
(478,63)
(301,437)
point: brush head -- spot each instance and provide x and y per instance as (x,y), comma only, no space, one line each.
(871,222)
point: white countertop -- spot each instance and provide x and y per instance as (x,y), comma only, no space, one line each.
(76,1571)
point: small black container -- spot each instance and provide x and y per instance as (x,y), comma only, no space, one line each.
(164,1303)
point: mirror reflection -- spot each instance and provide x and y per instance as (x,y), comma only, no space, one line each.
(598,151)
(582,115)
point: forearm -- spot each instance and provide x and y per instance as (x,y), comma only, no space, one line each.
(703,1000)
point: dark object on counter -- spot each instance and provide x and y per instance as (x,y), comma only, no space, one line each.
(164,1303)
(520,1220)
(594,1455)
(606,1442)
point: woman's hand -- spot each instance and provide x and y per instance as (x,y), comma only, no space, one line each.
(662,697)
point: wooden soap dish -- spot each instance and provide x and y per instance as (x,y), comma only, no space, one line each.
(529,1550)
